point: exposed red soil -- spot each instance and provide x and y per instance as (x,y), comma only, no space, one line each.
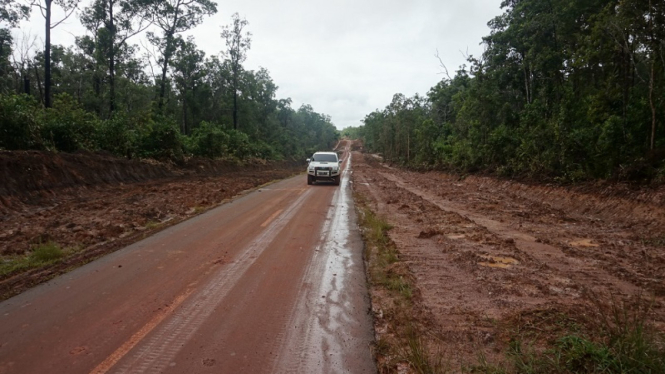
(97,203)
(487,255)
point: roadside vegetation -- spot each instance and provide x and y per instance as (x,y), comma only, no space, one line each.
(616,338)
(106,94)
(610,337)
(402,340)
(40,255)
(565,91)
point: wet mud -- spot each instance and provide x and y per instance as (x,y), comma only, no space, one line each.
(487,256)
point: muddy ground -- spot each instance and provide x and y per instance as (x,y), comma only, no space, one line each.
(92,204)
(486,257)
(494,260)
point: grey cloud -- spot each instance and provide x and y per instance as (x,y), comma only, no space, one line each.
(345,57)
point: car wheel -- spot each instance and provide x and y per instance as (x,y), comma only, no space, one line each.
(309,179)
(337,180)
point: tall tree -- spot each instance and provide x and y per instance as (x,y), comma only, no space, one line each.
(10,13)
(188,66)
(237,45)
(45,6)
(113,22)
(5,66)
(214,84)
(174,17)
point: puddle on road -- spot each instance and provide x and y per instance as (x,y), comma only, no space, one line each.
(498,262)
(456,236)
(330,309)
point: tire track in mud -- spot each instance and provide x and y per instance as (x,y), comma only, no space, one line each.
(479,258)
(622,234)
(154,354)
(546,255)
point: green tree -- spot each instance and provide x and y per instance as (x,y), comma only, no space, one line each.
(20,122)
(188,73)
(565,90)
(237,46)
(113,22)
(11,12)
(45,6)
(174,17)
(5,65)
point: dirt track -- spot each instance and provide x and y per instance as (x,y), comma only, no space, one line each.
(271,282)
(488,256)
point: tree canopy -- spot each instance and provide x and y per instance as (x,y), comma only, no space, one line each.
(108,96)
(565,90)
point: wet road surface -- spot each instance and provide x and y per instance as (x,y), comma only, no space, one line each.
(272,282)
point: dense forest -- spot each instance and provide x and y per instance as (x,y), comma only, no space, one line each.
(165,100)
(565,90)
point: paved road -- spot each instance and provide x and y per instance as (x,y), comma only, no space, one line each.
(272,282)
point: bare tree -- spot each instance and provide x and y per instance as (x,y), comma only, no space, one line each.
(21,58)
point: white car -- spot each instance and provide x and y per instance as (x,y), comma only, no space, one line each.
(324,166)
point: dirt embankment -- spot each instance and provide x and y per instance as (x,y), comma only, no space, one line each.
(91,204)
(493,261)
(35,173)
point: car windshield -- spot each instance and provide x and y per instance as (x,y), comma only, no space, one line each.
(324,158)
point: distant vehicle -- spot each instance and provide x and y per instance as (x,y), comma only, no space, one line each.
(324,166)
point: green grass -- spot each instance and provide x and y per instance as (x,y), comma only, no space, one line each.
(655,241)
(623,342)
(421,358)
(39,255)
(375,228)
(152,224)
(45,253)
(375,232)
(400,285)
(385,271)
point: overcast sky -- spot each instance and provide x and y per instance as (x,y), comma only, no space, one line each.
(346,58)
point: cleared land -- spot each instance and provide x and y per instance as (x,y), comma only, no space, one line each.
(58,211)
(467,274)
(479,274)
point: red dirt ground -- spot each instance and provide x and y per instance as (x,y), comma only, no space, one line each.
(483,253)
(95,203)
(486,255)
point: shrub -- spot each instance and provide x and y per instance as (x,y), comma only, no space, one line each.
(120,134)
(265,151)
(161,140)
(19,122)
(208,140)
(67,127)
(239,145)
